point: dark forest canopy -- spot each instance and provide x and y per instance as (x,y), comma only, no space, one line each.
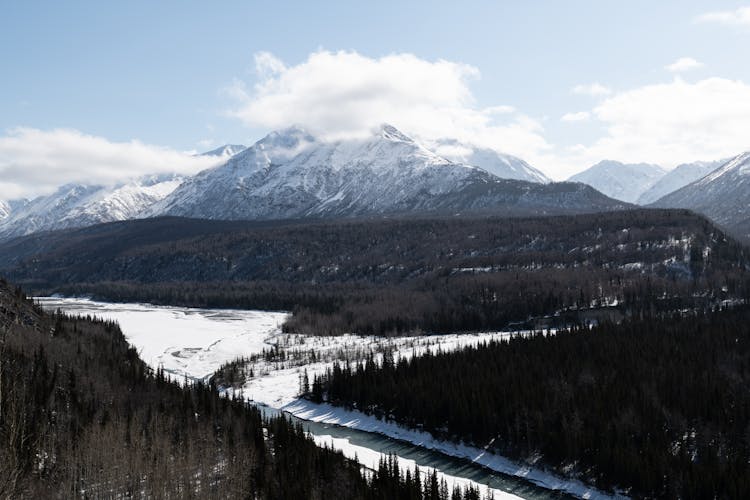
(81,416)
(658,406)
(393,276)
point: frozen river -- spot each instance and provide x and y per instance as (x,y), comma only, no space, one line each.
(192,343)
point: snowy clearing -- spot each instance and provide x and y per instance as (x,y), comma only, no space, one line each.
(194,343)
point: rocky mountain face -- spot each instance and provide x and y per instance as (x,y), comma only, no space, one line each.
(80,205)
(622,181)
(76,205)
(723,195)
(291,174)
(11,206)
(680,176)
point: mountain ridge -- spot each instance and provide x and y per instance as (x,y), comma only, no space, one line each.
(721,195)
(621,181)
(680,176)
(292,174)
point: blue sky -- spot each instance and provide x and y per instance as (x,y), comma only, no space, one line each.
(182,75)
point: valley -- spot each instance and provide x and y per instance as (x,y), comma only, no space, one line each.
(196,300)
(397,276)
(179,341)
(422,250)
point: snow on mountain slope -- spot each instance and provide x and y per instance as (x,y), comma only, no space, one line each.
(622,181)
(292,174)
(225,151)
(680,176)
(76,205)
(499,164)
(9,207)
(723,195)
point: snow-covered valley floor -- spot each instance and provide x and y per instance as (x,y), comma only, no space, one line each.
(194,343)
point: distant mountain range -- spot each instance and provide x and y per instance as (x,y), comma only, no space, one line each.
(719,189)
(723,194)
(622,181)
(77,205)
(680,176)
(292,174)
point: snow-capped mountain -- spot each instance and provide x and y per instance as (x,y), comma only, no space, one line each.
(291,174)
(723,194)
(622,181)
(225,151)
(76,205)
(680,176)
(499,164)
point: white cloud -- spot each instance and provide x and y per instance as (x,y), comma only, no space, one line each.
(593,89)
(580,116)
(451,150)
(499,110)
(738,17)
(671,123)
(267,65)
(339,94)
(34,161)
(683,64)
(335,94)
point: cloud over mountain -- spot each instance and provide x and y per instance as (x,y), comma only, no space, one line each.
(34,162)
(344,94)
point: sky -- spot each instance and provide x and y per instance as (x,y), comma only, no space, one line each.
(104,91)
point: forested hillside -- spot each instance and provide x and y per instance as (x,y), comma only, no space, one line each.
(659,406)
(391,276)
(81,416)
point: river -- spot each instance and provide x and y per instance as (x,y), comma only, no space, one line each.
(193,343)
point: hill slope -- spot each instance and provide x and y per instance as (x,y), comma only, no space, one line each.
(723,195)
(400,275)
(84,417)
(680,176)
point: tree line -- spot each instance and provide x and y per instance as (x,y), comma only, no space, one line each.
(658,406)
(81,416)
(390,277)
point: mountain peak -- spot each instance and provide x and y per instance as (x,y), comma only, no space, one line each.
(289,138)
(678,177)
(390,132)
(622,181)
(721,195)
